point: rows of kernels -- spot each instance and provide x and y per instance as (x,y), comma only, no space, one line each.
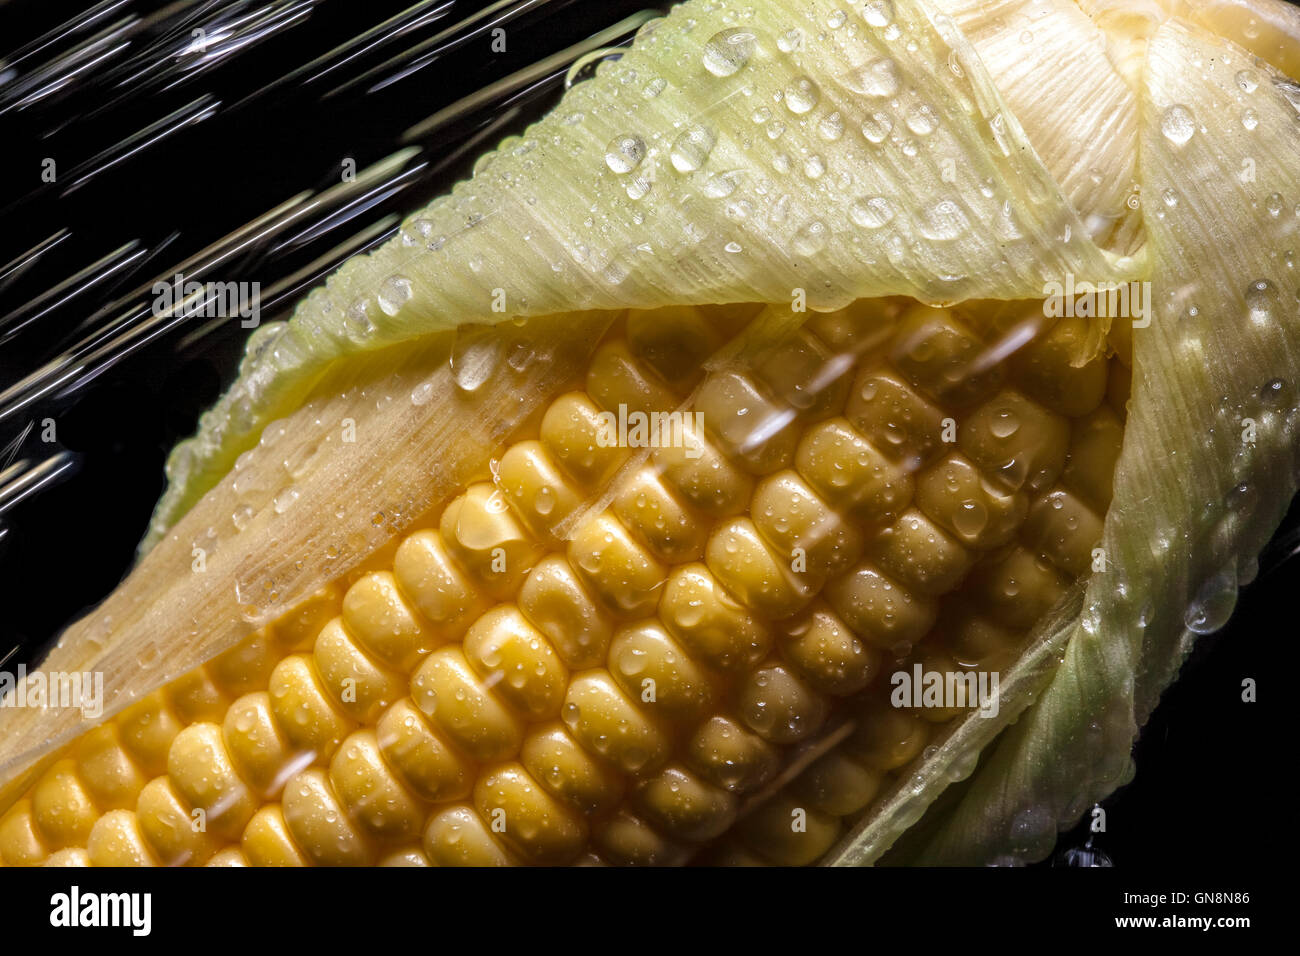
(1010,448)
(737,666)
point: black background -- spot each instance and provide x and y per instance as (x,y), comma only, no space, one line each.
(1205,761)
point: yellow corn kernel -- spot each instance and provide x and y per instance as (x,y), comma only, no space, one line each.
(116,840)
(378,617)
(616,378)
(558,604)
(373,796)
(607,723)
(976,643)
(534,824)
(940,355)
(967,505)
(803,528)
(964,684)
(614,566)
(879,610)
(920,555)
(626,840)
(229,857)
(410,856)
(439,590)
(652,512)
(1017,588)
(310,721)
(297,630)
(72,856)
(319,826)
(245,667)
(750,570)
(895,418)
(204,776)
(20,844)
(571,431)
(780,707)
(682,805)
(1045,368)
(1064,530)
(174,834)
(267,841)
(849,473)
(807,376)
(746,423)
(196,696)
(568,772)
(360,687)
(146,729)
(827,653)
(259,750)
(703,476)
(730,756)
(862,327)
(1094,448)
(886,738)
(512,656)
(652,668)
(111,778)
(535,487)
(427,764)
(1018,442)
(63,811)
(485,539)
(837,785)
(457,836)
(469,712)
(709,623)
(788,833)
(673,341)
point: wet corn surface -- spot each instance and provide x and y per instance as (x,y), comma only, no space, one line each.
(663,626)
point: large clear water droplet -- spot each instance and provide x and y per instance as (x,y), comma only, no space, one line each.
(475,355)
(692,148)
(727,51)
(878,13)
(1213,603)
(801,95)
(879,77)
(624,153)
(876,127)
(1261,301)
(1178,124)
(394,292)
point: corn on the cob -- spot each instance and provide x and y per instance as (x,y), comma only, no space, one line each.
(591,654)
(608,654)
